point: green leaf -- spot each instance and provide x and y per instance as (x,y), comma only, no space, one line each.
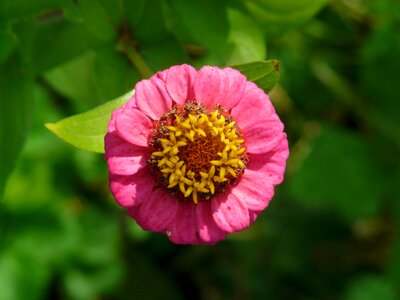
(114,77)
(15,114)
(204,22)
(7,43)
(341,173)
(247,38)
(133,11)
(277,16)
(15,282)
(99,25)
(74,80)
(149,20)
(263,73)
(86,131)
(48,44)
(88,81)
(380,56)
(162,55)
(17,9)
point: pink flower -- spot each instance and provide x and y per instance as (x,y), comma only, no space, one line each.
(195,154)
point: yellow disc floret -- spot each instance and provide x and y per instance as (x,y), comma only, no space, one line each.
(195,152)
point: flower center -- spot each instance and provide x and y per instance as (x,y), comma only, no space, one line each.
(196,152)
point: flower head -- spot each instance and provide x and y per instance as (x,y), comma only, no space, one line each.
(195,154)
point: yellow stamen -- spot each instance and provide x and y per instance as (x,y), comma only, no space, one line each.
(198,154)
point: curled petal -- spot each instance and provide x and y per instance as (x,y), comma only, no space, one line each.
(133,126)
(131,190)
(157,212)
(230,213)
(208,230)
(152,97)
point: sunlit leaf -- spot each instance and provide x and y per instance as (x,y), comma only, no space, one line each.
(264,73)
(87,130)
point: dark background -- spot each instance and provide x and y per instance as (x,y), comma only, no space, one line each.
(331,231)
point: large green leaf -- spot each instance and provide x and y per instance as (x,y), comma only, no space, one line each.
(15,114)
(87,130)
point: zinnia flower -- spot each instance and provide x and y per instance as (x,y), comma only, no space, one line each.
(195,154)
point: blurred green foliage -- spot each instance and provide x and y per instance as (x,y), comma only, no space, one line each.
(331,231)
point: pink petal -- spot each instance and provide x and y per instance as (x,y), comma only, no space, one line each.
(158,211)
(230,213)
(208,230)
(184,229)
(253,215)
(262,136)
(254,189)
(236,88)
(133,126)
(122,157)
(162,75)
(179,83)
(133,211)
(219,86)
(131,102)
(271,164)
(253,108)
(152,97)
(131,190)
(257,119)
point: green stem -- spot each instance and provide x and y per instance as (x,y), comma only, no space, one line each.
(127,46)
